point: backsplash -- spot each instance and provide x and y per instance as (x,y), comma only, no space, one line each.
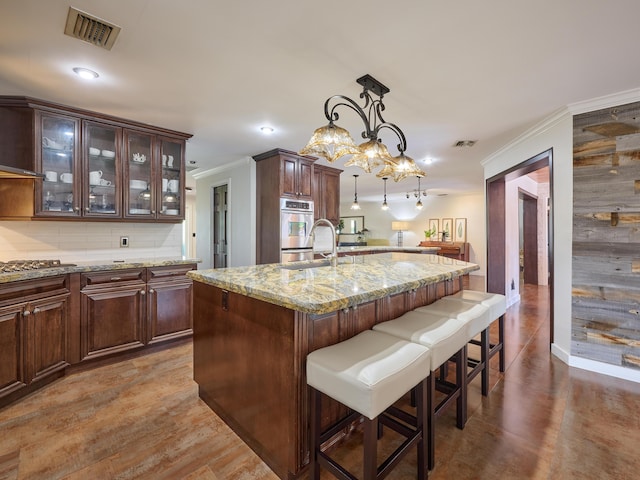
(88,241)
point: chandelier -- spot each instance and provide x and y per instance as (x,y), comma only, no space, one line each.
(333,142)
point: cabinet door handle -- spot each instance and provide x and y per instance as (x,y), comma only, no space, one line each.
(26,313)
(86,209)
(153,211)
(151,290)
(76,209)
(36,310)
(142,292)
(115,279)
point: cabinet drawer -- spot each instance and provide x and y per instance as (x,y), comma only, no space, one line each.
(169,272)
(120,277)
(27,290)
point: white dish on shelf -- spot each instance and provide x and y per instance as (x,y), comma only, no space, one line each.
(108,154)
(172,211)
(138,184)
(139,158)
(145,211)
(94,151)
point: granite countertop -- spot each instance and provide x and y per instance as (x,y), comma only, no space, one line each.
(325,289)
(386,248)
(94,266)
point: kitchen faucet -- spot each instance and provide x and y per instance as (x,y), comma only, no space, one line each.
(333,257)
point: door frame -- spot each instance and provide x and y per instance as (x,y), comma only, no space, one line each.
(496,230)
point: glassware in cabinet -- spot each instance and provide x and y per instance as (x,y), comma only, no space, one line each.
(102,172)
(140,189)
(171,202)
(57,161)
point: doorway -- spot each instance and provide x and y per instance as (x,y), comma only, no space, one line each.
(220,226)
(528,233)
(498,278)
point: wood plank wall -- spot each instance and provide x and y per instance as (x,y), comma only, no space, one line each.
(606,236)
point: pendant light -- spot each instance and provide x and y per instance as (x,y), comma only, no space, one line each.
(419,202)
(384,203)
(333,142)
(355,205)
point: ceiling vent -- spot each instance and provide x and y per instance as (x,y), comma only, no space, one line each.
(91,29)
(465,143)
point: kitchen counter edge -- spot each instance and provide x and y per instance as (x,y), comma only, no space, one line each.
(93,266)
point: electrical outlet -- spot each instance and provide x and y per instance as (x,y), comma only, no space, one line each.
(124,242)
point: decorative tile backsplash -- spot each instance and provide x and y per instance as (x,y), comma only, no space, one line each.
(87,241)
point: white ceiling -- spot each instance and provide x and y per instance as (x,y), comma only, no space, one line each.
(463,70)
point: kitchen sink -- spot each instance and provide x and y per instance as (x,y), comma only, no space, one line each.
(304,266)
(347,259)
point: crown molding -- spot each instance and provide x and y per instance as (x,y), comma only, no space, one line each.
(607,101)
(541,127)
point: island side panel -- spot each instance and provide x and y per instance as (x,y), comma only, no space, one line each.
(245,368)
(250,363)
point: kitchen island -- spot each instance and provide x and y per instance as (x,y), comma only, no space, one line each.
(254,326)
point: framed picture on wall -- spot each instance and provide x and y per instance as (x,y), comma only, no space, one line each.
(434,226)
(447,229)
(460,230)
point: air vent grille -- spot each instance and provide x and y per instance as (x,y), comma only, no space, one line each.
(91,29)
(465,143)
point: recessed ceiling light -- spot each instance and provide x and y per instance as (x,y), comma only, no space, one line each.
(85,73)
(266,130)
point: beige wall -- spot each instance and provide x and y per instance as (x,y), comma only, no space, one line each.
(378,221)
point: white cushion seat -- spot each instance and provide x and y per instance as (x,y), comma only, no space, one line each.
(475,315)
(496,302)
(444,336)
(368,372)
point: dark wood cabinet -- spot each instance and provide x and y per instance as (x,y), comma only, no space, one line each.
(326,193)
(282,173)
(46,337)
(279,173)
(112,312)
(51,323)
(34,318)
(169,303)
(12,365)
(96,167)
(295,176)
(128,309)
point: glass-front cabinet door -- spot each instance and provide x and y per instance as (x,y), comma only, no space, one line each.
(102,175)
(57,159)
(140,186)
(171,202)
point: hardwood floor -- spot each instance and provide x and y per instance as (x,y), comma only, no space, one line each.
(142,419)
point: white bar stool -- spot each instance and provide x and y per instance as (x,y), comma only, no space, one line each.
(497,305)
(478,316)
(368,373)
(445,337)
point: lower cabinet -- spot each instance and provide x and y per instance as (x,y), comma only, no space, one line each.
(34,318)
(123,310)
(169,309)
(112,312)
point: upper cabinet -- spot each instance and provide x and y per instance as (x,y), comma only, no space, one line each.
(283,173)
(326,193)
(94,166)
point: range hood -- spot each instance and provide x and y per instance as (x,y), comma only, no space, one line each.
(12,172)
